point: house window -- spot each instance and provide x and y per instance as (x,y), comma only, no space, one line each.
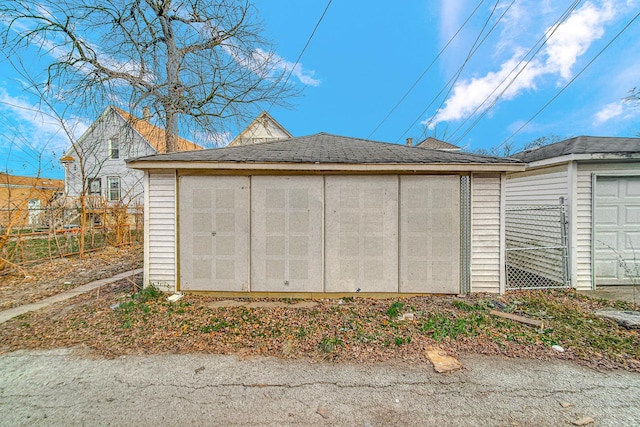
(114,149)
(94,186)
(113,188)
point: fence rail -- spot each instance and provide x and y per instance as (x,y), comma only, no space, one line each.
(536,253)
(54,232)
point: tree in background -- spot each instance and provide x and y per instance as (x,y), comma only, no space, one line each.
(510,148)
(194,62)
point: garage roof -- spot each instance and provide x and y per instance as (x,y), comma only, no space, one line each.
(582,145)
(321,148)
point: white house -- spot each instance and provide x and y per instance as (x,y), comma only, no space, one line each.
(599,179)
(96,163)
(325,215)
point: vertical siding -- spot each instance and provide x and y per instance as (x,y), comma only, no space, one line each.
(161,230)
(540,187)
(584,214)
(486,242)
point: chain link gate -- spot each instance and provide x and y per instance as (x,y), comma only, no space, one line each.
(536,253)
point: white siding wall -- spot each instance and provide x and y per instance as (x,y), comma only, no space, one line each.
(539,187)
(160,230)
(93,148)
(487,240)
(584,215)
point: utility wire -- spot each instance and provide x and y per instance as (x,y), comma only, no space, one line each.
(452,80)
(425,70)
(571,81)
(540,43)
(305,46)
(474,48)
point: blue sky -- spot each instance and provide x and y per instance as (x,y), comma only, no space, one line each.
(366,56)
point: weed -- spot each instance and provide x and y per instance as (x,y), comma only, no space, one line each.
(402,340)
(329,344)
(461,305)
(394,310)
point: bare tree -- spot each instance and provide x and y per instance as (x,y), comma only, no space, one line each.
(194,62)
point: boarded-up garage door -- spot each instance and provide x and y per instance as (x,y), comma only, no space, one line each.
(430,234)
(361,233)
(214,233)
(617,227)
(286,233)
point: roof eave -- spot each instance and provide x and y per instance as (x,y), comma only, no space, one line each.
(331,167)
(582,157)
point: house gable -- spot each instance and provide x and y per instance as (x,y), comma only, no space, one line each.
(263,129)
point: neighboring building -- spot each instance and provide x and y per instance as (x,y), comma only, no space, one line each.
(325,214)
(23,200)
(436,144)
(99,157)
(263,129)
(599,179)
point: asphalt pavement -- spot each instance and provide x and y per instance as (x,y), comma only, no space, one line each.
(65,387)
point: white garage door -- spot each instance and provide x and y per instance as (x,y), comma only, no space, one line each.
(617,227)
(214,233)
(286,233)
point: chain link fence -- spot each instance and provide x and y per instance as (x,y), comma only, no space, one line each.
(536,253)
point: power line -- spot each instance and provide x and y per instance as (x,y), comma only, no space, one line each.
(306,44)
(425,70)
(474,48)
(571,81)
(452,80)
(540,43)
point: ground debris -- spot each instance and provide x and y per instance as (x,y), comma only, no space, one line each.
(583,421)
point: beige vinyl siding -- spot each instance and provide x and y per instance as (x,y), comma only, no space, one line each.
(584,215)
(486,240)
(160,230)
(539,187)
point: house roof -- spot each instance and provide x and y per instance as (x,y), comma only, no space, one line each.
(582,145)
(154,135)
(319,149)
(262,120)
(437,144)
(29,181)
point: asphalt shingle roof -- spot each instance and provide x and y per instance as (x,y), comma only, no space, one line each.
(581,145)
(326,148)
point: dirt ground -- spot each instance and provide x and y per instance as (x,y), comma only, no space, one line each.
(38,281)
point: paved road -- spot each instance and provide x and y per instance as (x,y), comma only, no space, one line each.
(62,388)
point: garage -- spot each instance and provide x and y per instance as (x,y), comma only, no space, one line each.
(616,227)
(325,215)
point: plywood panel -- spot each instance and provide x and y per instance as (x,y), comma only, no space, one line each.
(361,233)
(214,233)
(286,233)
(430,234)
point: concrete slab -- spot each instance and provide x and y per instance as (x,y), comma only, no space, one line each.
(9,314)
(441,361)
(627,318)
(618,293)
(261,304)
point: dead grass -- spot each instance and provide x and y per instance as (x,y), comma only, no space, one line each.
(116,322)
(51,277)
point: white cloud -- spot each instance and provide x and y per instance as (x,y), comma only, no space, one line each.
(569,41)
(572,38)
(609,112)
(26,125)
